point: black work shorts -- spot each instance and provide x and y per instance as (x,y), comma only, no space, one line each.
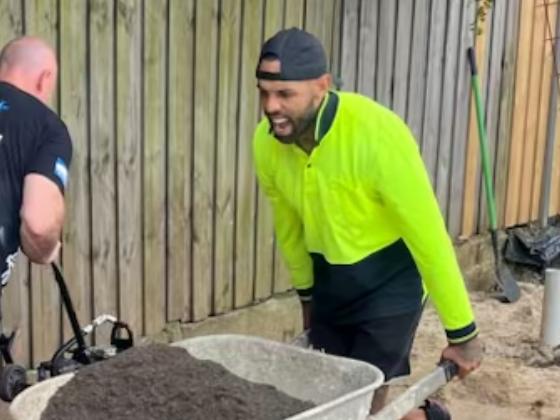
(383,342)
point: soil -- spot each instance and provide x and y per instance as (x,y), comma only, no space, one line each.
(162,382)
(518,378)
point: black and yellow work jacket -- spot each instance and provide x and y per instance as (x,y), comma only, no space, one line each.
(362,202)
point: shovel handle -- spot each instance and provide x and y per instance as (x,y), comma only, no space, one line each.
(472,61)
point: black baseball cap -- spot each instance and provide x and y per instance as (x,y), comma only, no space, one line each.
(300,53)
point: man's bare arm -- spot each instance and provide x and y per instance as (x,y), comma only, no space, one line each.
(42,217)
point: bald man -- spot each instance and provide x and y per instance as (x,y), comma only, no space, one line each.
(35,153)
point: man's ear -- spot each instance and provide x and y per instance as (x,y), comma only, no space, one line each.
(325,82)
(44,81)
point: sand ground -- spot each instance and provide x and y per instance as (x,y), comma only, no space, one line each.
(518,379)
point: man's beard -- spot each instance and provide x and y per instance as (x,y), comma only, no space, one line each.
(299,126)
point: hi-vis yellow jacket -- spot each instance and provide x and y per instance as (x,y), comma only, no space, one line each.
(362,188)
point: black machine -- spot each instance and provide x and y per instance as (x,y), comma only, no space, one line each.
(71,356)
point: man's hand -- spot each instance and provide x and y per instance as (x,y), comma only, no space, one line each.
(467,356)
(306,315)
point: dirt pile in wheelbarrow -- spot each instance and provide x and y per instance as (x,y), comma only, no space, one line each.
(163,382)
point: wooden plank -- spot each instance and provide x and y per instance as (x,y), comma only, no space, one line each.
(328,10)
(349,44)
(555,190)
(246,184)
(41,19)
(294,12)
(447,113)
(180,121)
(264,258)
(74,110)
(103,162)
(129,158)
(386,52)
(403,46)
(418,64)
(554,207)
(335,41)
(493,92)
(155,71)
(546,83)
(472,168)
(228,81)
(432,105)
(318,19)
(461,123)
(506,109)
(204,145)
(11,20)
(367,48)
(293,16)
(15,296)
(531,125)
(281,279)
(519,112)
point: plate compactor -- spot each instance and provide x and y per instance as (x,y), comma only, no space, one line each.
(69,357)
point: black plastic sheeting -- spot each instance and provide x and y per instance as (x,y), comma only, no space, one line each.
(534,246)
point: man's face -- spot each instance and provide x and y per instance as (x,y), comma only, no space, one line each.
(290,106)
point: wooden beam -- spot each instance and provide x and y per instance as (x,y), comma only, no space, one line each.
(180,141)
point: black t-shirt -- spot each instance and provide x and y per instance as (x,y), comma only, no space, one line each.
(33,139)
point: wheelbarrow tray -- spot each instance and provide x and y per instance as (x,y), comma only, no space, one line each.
(339,387)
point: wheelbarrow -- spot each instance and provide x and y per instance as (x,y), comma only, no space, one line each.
(69,357)
(340,388)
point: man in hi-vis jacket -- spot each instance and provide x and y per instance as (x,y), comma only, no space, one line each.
(355,218)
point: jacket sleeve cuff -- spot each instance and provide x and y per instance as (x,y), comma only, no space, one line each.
(305,295)
(462,335)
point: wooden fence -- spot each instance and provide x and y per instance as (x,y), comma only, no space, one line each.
(411,56)
(165,221)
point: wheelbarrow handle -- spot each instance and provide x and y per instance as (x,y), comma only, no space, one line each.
(416,394)
(450,368)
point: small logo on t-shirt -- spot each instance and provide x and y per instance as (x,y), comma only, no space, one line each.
(4,105)
(61,171)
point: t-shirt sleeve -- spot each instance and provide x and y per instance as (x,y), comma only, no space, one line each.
(53,154)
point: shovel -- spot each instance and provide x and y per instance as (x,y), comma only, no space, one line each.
(507,289)
(415,395)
